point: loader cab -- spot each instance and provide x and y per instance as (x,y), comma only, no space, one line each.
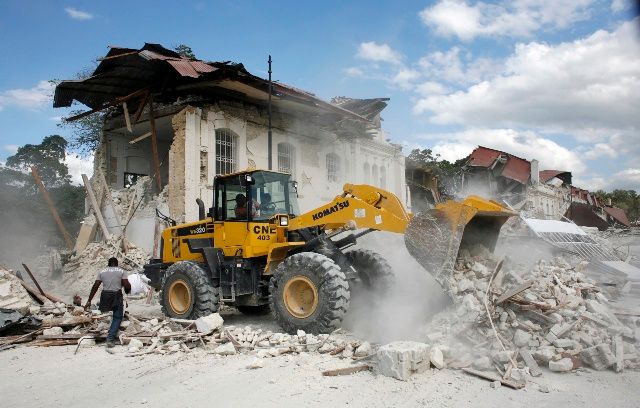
(254,196)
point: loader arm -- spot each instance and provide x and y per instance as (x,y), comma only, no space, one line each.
(367,206)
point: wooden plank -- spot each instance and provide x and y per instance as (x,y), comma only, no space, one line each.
(514,291)
(127,119)
(19,339)
(66,321)
(107,193)
(115,102)
(139,138)
(493,377)
(346,370)
(96,207)
(41,299)
(143,103)
(528,359)
(33,278)
(154,145)
(52,208)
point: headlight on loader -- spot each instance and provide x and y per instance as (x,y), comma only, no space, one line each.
(284,221)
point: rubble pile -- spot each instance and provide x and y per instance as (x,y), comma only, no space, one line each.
(12,294)
(511,320)
(80,271)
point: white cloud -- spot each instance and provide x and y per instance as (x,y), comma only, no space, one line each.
(354,72)
(507,18)
(628,179)
(372,51)
(13,149)
(526,144)
(600,151)
(449,66)
(431,88)
(588,86)
(405,78)
(78,14)
(620,5)
(78,165)
(32,98)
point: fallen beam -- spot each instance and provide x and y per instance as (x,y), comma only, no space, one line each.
(52,208)
(493,377)
(346,370)
(510,293)
(139,138)
(96,207)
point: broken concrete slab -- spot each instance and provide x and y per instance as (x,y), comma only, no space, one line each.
(400,359)
(209,324)
(225,349)
(436,358)
(562,366)
(53,331)
(598,357)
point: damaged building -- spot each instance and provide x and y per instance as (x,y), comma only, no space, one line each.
(546,194)
(183,121)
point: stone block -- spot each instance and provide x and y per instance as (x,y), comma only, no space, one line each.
(562,365)
(209,324)
(363,350)
(598,357)
(402,358)
(521,338)
(565,343)
(436,358)
(226,349)
(136,343)
(53,331)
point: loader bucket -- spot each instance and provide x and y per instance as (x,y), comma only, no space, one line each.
(434,237)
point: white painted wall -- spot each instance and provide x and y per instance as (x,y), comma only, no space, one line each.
(310,168)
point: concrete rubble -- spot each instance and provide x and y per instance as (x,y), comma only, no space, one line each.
(520,317)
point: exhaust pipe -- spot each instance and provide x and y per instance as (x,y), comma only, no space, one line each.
(201,215)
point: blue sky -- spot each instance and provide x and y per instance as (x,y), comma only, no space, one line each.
(556,80)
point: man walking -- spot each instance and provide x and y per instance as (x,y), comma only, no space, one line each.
(114,279)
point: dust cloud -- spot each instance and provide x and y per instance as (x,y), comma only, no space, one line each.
(402,310)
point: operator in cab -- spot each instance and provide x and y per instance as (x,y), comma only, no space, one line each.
(241,207)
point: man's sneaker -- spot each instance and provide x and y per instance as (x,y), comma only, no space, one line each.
(110,343)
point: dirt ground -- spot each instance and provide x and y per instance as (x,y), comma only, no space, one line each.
(34,376)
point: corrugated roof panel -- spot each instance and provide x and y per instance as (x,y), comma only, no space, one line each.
(517,169)
(202,67)
(483,157)
(184,68)
(618,214)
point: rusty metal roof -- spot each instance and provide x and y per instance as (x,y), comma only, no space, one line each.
(618,214)
(124,71)
(515,168)
(546,175)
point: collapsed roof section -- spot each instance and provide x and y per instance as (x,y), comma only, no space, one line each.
(548,175)
(126,74)
(505,164)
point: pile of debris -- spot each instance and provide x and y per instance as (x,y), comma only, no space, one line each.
(511,320)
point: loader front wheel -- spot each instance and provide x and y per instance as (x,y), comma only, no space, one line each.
(309,292)
(187,292)
(374,271)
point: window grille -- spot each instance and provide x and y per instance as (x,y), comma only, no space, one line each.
(333,167)
(286,158)
(226,151)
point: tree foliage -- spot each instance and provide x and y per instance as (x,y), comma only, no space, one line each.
(628,200)
(184,51)
(449,173)
(27,223)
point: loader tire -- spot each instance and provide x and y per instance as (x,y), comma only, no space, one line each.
(187,292)
(309,292)
(374,271)
(254,310)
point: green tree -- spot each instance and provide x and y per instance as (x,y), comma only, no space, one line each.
(27,224)
(48,157)
(449,173)
(184,51)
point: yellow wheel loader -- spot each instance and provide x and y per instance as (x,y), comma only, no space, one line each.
(254,249)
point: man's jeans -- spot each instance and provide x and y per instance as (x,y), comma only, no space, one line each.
(118,311)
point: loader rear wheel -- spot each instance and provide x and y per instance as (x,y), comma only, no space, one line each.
(309,292)
(374,271)
(187,292)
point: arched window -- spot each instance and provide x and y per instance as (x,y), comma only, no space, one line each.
(374,175)
(383,177)
(226,151)
(333,167)
(366,175)
(286,158)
